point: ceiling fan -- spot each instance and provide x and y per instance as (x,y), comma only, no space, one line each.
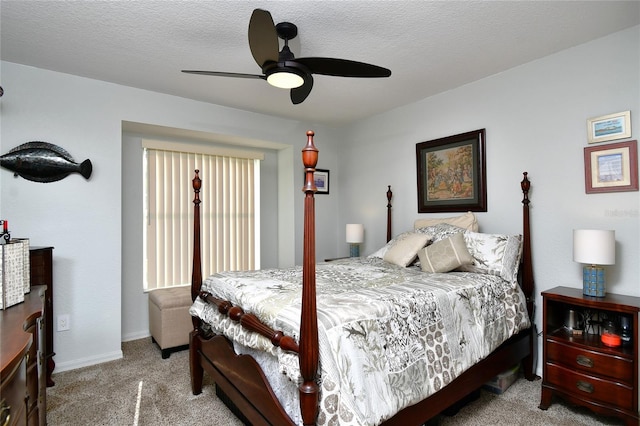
(282,69)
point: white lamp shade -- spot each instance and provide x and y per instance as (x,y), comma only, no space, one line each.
(355,233)
(594,246)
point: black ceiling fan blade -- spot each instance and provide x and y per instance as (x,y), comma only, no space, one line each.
(263,38)
(299,94)
(343,67)
(226,74)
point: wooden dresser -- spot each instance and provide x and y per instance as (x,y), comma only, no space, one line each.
(22,381)
(41,270)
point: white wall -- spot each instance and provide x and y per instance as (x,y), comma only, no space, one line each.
(83,219)
(535,119)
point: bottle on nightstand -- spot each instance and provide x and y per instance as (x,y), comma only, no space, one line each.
(610,336)
(625,327)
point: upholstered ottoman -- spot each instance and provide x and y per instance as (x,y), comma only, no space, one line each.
(169,319)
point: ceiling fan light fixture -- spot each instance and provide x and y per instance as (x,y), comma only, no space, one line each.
(285,78)
(281,69)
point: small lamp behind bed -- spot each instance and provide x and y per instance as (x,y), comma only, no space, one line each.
(594,247)
(355,236)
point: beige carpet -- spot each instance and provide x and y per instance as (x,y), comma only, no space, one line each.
(143,389)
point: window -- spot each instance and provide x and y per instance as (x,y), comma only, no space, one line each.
(230,211)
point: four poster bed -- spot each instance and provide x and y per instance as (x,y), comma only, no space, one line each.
(379,340)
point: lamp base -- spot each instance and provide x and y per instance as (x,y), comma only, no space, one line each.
(354,250)
(593,281)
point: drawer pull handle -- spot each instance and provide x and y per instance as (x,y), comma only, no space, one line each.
(584,386)
(5,413)
(584,361)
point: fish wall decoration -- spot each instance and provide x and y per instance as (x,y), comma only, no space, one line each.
(43,162)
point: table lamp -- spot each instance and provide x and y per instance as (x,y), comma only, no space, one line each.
(355,236)
(594,247)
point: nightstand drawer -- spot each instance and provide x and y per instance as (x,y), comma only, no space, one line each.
(591,387)
(590,362)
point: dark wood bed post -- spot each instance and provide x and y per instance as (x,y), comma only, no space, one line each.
(196,271)
(389,195)
(308,356)
(527,270)
(527,282)
(197,372)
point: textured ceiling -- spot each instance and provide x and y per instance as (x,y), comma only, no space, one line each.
(430,46)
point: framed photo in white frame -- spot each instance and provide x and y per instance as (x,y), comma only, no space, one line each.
(609,127)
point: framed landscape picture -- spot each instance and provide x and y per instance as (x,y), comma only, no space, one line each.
(452,173)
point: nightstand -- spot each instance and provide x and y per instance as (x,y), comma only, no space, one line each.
(577,366)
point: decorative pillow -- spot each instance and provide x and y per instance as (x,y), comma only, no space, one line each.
(392,242)
(434,232)
(440,231)
(494,254)
(445,255)
(405,250)
(385,248)
(466,221)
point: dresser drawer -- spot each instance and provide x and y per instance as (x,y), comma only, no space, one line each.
(592,387)
(590,362)
(12,395)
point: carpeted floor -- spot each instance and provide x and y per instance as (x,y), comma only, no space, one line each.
(143,389)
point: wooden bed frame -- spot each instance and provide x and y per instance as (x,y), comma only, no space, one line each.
(242,385)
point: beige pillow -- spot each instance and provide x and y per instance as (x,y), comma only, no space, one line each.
(467,221)
(405,250)
(445,255)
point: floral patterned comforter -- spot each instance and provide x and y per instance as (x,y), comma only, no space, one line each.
(389,336)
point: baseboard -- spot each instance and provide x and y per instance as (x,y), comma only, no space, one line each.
(136,336)
(85,362)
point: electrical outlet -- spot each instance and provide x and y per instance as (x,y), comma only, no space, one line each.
(64,323)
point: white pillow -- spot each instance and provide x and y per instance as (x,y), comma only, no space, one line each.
(494,254)
(466,221)
(445,255)
(405,250)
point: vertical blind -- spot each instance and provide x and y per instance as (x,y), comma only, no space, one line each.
(229,208)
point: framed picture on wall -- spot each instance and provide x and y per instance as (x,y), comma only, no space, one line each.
(611,168)
(321,179)
(609,127)
(452,173)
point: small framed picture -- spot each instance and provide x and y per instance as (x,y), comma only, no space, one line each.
(321,179)
(611,168)
(609,127)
